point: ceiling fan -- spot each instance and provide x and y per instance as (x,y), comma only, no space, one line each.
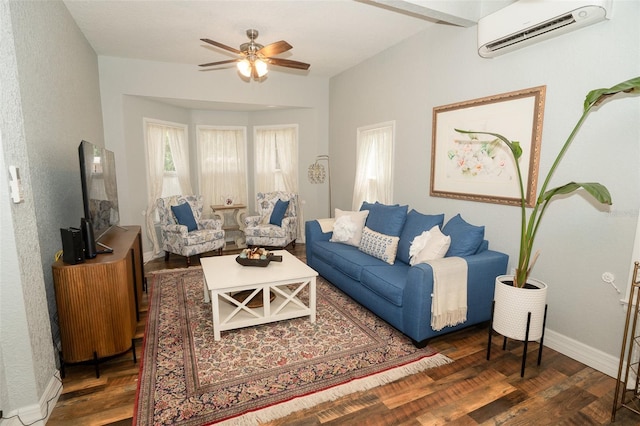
(254,58)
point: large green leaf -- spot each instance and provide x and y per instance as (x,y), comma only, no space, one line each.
(516,149)
(596,190)
(597,96)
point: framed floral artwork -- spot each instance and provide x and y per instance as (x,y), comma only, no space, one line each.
(479,167)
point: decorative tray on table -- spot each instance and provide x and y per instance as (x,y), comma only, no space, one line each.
(257,257)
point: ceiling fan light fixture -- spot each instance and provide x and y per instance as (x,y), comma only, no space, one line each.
(261,67)
(254,58)
(244,67)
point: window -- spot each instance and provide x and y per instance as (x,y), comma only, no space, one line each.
(374,164)
(223,164)
(170,183)
(276,158)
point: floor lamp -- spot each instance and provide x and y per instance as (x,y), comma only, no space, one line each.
(317,174)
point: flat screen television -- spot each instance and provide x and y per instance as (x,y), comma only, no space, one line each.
(99,187)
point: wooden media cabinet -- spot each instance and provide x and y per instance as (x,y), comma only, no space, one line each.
(98,300)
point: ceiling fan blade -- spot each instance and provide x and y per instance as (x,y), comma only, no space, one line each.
(254,71)
(289,63)
(275,48)
(211,64)
(221,46)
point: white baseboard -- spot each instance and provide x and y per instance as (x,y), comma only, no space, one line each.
(594,358)
(37,414)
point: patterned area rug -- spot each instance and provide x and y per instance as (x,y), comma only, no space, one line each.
(265,372)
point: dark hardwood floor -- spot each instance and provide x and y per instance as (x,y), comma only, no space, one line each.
(469,391)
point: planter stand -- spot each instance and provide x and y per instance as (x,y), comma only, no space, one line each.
(526,340)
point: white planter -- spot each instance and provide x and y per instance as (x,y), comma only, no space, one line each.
(512,304)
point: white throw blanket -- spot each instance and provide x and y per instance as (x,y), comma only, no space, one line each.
(449,298)
(326,225)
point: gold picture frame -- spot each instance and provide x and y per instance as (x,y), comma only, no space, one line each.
(477,167)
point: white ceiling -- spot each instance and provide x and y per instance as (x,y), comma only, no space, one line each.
(331,35)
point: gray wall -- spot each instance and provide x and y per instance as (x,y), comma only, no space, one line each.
(578,241)
(50,102)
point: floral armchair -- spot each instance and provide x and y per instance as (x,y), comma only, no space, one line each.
(176,238)
(262,229)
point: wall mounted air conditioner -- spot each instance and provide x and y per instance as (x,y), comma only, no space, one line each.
(528,21)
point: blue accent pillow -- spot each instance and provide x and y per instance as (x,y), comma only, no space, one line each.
(278,212)
(415,225)
(465,238)
(385,219)
(184,216)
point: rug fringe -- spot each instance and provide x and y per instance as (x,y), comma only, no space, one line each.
(357,385)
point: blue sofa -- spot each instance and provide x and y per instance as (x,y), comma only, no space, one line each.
(399,293)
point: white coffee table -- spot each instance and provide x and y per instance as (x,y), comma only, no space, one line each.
(223,276)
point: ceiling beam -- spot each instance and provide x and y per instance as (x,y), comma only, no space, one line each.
(463,13)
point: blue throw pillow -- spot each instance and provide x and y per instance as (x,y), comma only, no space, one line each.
(184,216)
(278,212)
(385,219)
(415,225)
(465,238)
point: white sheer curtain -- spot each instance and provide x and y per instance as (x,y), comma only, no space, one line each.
(223,164)
(374,165)
(155,176)
(287,153)
(276,159)
(265,161)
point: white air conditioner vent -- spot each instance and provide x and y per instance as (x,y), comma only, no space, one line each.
(528,21)
(530,33)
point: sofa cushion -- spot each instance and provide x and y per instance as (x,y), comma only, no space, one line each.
(465,238)
(323,250)
(387,282)
(203,236)
(348,227)
(381,246)
(484,246)
(268,230)
(352,261)
(385,219)
(415,225)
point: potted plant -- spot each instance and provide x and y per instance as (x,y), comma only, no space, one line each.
(506,321)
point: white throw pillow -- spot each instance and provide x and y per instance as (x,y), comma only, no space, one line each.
(343,229)
(429,245)
(348,227)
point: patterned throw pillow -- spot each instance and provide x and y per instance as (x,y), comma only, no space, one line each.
(381,246)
